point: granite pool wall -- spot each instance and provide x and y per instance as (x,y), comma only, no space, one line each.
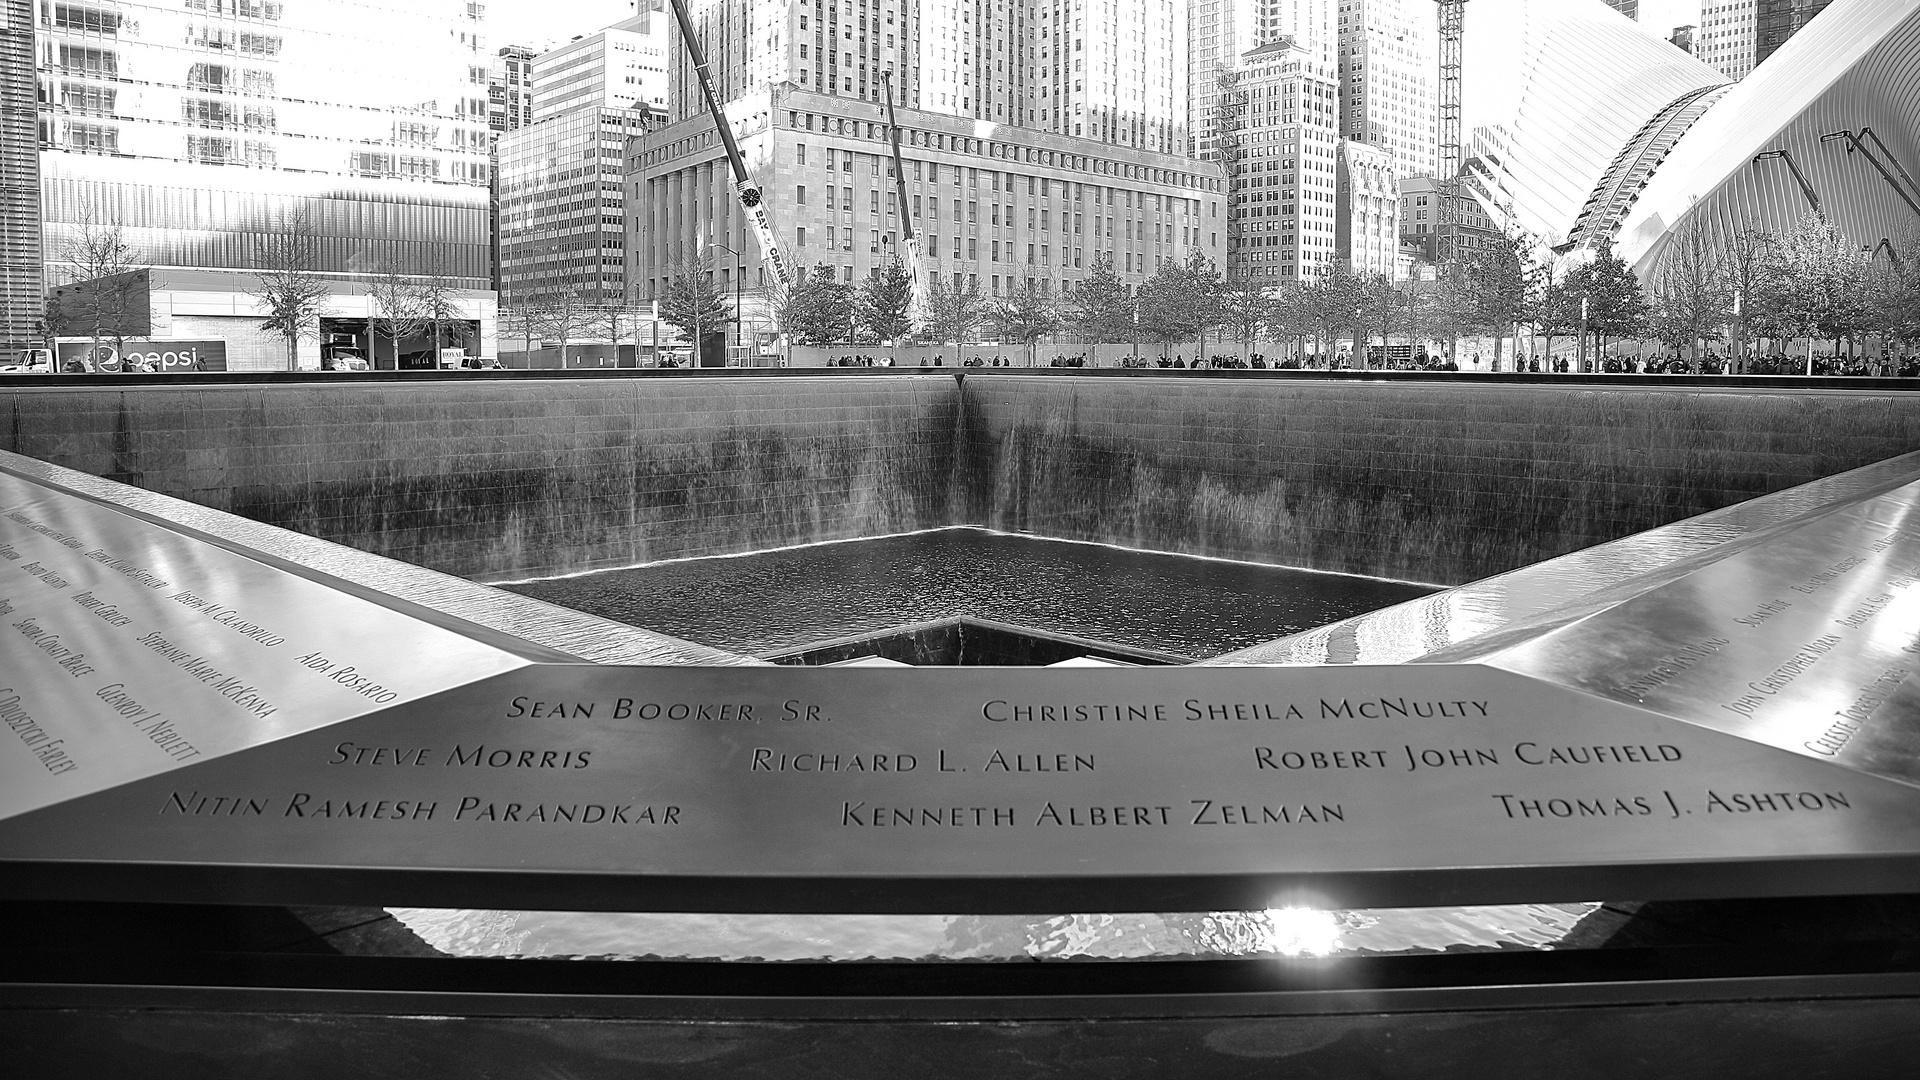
(502,479)
(1443,481)
(1437,480)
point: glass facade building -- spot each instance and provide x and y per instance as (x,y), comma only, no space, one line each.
(201,127)
(562,210)
(621,67)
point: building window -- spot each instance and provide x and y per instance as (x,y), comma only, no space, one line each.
(201,112)
(87,20)
(209,150)
(93,138)
(85,61)
(800,153)
(800,236)
(800,194)
(87,98)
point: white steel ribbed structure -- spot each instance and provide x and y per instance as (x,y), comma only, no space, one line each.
(1855,66)
(1589,80)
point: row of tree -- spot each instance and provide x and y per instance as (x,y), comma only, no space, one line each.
(1807,281)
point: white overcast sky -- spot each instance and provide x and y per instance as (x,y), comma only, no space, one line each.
(546,23)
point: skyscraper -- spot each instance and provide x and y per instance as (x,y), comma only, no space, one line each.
(510,89)
(1736,35)
(623,66)
(20,270)
(1779,20)
(1726,38)
(562,210)
(1223,31)
(1629,8)
(1037,138)
(1277,140)
(1388,72)
(198,128)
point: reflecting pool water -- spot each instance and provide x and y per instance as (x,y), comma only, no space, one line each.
(768,601)
(1203,935)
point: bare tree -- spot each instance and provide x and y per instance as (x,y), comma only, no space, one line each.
(526,320)
(395,300)
(439,307)
(954,312)
(288,288)
(1747,259)
(105,280)
(1692,294)
(563,313)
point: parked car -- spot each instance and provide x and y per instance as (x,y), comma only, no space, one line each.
(344,360)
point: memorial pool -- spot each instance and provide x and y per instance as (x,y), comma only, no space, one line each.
(768,602)
(771,603)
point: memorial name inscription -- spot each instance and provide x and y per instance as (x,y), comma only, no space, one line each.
(192,717)
(132,649)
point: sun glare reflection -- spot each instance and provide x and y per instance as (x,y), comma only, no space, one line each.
(1300,931)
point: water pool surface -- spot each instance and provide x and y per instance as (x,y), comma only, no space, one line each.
(769,601)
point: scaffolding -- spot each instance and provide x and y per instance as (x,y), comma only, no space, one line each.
(1447,222)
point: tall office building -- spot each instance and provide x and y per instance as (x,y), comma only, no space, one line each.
(1111,70)
(1036,138)
(1629,8)
(1388,77)
(510,89)
(20,270)
(562,211)
(621,67)
(1366,208)
(1224,31)
(198,127)
(509,108)
(1727,37)
(1278,141)
(1736,35)
(1779,20)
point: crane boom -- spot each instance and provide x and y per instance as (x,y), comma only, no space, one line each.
(917,310)
(751,202)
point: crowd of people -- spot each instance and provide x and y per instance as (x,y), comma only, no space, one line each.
(1904,365)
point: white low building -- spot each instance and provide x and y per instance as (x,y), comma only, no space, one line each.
(220,305)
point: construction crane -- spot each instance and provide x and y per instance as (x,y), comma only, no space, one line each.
(1447,225)
(909,242)
(752,205)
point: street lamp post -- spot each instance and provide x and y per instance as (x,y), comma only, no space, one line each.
(1583,334)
